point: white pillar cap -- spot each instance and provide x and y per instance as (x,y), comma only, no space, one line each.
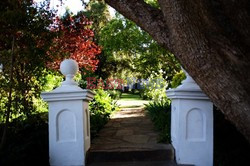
(69,90)
(187,90)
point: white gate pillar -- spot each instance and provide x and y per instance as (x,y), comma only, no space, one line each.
(69,121)
(191,124)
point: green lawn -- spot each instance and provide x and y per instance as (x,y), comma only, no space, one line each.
(129,96)
(129,100)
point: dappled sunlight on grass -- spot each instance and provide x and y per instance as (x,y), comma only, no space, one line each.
(129,96)
(131,101)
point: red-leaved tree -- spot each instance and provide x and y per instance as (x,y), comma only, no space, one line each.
(75,41)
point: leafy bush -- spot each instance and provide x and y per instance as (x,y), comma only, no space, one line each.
(100,109)
(155,87)
(28,137)
(177,79)
(160,114)
(115,94)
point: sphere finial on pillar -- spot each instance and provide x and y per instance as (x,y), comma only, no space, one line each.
(69,119)
(69,68)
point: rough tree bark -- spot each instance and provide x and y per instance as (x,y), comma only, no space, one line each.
(211,39)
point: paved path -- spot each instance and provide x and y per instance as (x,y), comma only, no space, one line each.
(137,103)
(129,137)
(128,130)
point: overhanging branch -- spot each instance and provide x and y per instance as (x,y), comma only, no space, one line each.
(147,17)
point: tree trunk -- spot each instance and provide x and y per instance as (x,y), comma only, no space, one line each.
(211,40)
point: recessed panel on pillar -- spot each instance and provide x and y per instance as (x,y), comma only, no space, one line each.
(66,126)
(174,121)
(195,125)
(87,130)
(87,122)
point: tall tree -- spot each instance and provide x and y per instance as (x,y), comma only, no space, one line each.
(210,39)
(131,50)
(97,11)
(75,41)
(24,40)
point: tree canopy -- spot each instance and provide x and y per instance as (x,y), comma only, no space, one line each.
(33,40)
(129,49)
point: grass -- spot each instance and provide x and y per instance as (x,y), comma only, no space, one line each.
(129,100)
(130,106)
(128,96)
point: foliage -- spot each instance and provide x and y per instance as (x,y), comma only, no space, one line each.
(24,41)
(155,87)
(160,114)
(115,59)
(177,79)
(127,50)
(75,41)
(97,11)
(153,3)
(115,94)
(122,34)
(100,108)
(130,51)
(39,39)
(51,81)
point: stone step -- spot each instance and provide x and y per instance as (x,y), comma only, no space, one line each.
(115,156)
(129,139)
(137,163)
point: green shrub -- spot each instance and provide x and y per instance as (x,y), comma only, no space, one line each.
(115,94)
(177,79)
(155,87)
(160,114)
(100,108)
(27,140)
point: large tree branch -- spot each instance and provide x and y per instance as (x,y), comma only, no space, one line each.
(218,64)
(238,19)
(147,17)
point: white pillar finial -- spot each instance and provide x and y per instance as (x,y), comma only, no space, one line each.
(69,68)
